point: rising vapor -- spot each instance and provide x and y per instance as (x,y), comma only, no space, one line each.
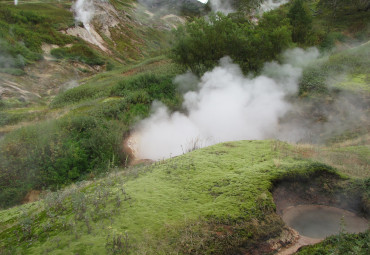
(269,5)
(221,6)
(224,106)
(84,12)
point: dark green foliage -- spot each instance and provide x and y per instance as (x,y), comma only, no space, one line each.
(137,94)
(56,153)
(301,21)
(142,88)
(78,52)
(22,33)
(156,86)
(200,44)
(329,40)
(358,244)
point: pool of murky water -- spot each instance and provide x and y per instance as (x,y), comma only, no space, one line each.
(319,221)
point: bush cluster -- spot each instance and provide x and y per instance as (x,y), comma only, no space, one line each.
(56,153)
(78,52)
(200,44)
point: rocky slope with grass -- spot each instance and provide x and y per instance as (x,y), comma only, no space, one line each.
(46,49)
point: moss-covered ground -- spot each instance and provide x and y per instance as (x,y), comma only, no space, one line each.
(222,190)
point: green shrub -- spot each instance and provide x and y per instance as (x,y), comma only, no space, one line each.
(78,52)
(55,153)
(200,44)
(156,86)
(313,81)
(329,40)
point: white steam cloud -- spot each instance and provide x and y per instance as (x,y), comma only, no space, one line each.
(84,12)
(269,5)
(15,2)
(225,106)
(225,6)
(221,6)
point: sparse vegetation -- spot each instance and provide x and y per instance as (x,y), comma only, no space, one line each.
(22,32)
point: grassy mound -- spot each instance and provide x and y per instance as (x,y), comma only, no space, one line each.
(211,201)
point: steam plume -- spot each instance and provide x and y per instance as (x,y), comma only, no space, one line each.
(84,12)
(269,5)
(221,6)
(225,6)
(225,106)
(15,2)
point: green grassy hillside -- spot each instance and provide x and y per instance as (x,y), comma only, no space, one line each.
(215,200)
(67,105)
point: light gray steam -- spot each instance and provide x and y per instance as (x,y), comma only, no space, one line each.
(221,6)
(269,5)
(225,106)
(15,2)
(84,12)
(225,6)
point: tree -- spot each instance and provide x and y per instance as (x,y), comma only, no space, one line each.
(301,21)
(200,44)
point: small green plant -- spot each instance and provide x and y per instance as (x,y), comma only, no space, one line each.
(118,244)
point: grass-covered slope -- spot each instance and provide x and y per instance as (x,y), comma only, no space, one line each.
(43,48)
(24,28)
(81,131)
(215,200)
